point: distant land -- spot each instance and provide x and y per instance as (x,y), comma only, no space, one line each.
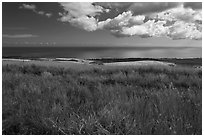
(103,52)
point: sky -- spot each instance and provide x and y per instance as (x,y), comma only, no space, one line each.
(111,24)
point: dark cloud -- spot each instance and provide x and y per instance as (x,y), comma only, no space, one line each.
(193,5)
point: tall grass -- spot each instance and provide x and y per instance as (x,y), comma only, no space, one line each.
(142,100)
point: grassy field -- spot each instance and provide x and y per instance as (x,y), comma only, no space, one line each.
(115,100)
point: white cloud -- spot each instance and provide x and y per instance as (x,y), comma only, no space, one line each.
(41,12)
(171,20)
(138,8)
(27,6)
(78,9)
(33,8)
(183,23)
(137,20)
(138,30)
(81,14)
(179,13)
(126,24)
(84,22)
(48,15)
(19,36)
(117,23)
(156,28)
(183,30)
(174,25)
(122,20)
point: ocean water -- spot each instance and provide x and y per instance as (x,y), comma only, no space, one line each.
(103,52)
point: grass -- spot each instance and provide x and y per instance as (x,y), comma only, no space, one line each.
(108,100)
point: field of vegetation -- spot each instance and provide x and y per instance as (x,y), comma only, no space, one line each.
(126,100)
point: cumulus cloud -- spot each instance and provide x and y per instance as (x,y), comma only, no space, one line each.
(84,22)
(81,14)
(33,8)
(143,19)
(185,22)
(19,36)
(183,30)
(180,13)
(126,24)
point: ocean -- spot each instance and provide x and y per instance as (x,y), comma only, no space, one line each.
(102,52)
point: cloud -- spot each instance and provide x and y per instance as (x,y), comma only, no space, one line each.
(180,13)
(48,15)
(27,6)
(183,30)
(126,24)
(179,23)
(79,9)
(33,8)
(41,12)
(182,22)
(121,20)
(19,36)
(120,7)
(143,19)
(86,23)
(138,8)
(81,14)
